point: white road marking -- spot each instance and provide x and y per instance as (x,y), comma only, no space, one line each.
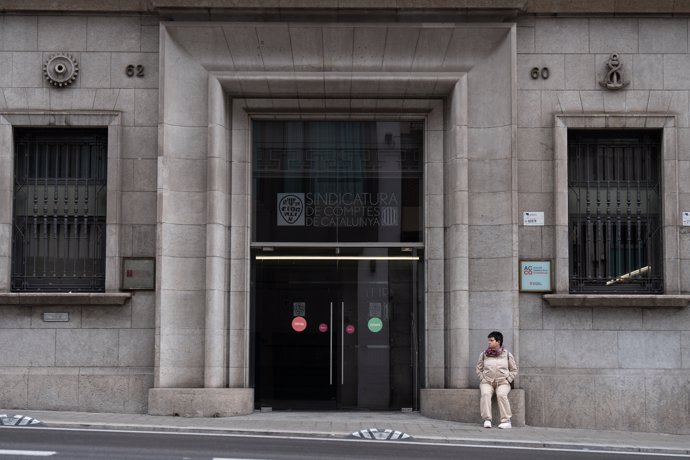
(30,453)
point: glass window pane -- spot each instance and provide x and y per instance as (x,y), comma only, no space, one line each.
(58,241)
(337,181)
(614,211)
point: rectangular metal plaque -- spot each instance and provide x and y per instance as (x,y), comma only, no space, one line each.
(63,317)
(139,273)
(534,218)
(299,308)
(536,276)
(374,309)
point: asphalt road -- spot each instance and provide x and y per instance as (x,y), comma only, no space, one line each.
(37,443)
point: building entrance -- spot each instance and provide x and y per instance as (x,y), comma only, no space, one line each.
(337,227)
(336,330)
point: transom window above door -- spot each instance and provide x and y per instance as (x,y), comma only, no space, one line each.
(337,181)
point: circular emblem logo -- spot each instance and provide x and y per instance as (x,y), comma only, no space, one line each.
(291,208)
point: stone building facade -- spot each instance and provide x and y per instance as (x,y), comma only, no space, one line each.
(339,201)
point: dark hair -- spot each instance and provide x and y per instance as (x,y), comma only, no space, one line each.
(497,336)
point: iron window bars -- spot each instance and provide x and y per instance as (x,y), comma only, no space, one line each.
(614,217)
(58,238)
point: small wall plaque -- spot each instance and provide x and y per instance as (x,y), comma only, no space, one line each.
(299,308)
(55,317)
(686,218)
(139,273)
(536,276)
(533,218)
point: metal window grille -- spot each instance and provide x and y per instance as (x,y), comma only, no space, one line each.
(58,238)
(614,219)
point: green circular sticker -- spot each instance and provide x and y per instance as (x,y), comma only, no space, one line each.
(375,324)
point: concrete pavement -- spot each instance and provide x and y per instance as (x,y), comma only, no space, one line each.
(342,424)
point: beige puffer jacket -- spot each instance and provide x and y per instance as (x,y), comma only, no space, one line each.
(501,369)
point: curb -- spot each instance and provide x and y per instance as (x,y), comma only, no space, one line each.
(557,445)
(346,436)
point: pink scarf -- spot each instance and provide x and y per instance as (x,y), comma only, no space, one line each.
(492,353)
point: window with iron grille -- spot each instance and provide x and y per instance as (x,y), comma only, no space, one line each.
(614,211)
(58,236)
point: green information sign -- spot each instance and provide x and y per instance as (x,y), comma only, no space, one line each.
(375,324)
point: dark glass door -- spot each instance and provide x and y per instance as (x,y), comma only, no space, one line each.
(334,331)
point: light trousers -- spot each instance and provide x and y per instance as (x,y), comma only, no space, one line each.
(487,391)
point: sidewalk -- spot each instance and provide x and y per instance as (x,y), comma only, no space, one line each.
(343,424)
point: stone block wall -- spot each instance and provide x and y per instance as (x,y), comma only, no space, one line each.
(102,358)
(597,365)
(99,361)
(590,366)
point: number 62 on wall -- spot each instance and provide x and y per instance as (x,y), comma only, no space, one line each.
(134,70)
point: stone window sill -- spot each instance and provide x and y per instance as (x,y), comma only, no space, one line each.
(84,298)
(629,301)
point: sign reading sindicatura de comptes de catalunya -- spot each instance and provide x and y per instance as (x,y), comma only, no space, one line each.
(331,209)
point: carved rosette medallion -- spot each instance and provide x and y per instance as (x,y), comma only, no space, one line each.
(61,70)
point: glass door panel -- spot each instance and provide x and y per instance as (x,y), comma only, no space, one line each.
(366,353)
(294,334)
(355,323)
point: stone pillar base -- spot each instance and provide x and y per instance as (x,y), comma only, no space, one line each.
(201,402)
(462,405)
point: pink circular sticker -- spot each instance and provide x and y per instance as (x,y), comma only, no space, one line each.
(299,324)
(323,327)
(350,329)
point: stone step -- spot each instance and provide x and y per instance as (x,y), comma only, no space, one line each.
(462,405)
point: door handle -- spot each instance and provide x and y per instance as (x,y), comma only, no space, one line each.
(330,347)
(342,343)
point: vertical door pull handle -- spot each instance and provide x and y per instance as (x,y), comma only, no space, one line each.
(342,343)
(330,348)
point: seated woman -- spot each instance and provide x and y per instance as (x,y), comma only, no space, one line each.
(496,369)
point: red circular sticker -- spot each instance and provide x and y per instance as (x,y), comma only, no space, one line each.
(323,327)
(299,323)
(350,329)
